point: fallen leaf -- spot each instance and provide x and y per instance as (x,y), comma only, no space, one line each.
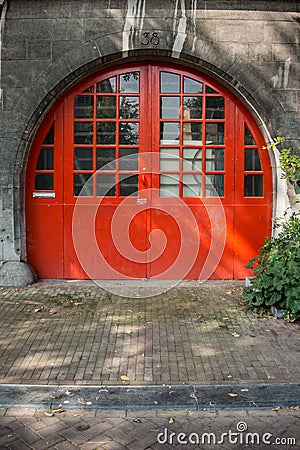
(38,309)
(68,392)
(48,414)
(294,408)
(58,411)
(171,420)
(278,408)
(128,332)
(235,335)
(125,378)
(52,311)
(233,395)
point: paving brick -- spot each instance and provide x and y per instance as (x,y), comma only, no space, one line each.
(98,429)
(18,445)
(88,345)
(27,435)
(74,435)
(66,446)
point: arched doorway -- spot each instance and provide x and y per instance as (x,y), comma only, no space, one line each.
(147,171)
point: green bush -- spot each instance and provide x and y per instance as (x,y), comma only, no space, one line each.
(289,163)
(276,280)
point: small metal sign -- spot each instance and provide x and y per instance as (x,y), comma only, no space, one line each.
(43,194)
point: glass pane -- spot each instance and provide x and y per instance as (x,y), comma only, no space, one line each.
(107,86)
(83,184)
(192,86)
(50,137)
(106,185)
(128,159)
(129,82)
(84,107)
(192,159)
(169,83)
(215,133)
(252,161)
(214,185)
(44,182)
(169,159)
(128,185)
(128,133)
(45,161)
(214,159)
(214,107)
(89,90)
(83,132)
(169,133)
(106,158)
(129,107)
(192,133)
(106,133)
(106,107)
(83,159)
(210,90)
(169,107)
(192,107)
(253,185)
(169,185)
(192,185)
(248,137)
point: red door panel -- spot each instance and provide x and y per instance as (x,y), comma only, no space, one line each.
(95,252)
(252,226)
(45,239)
(147,171)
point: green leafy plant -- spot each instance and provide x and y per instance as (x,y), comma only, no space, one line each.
(289,163)
(277,271)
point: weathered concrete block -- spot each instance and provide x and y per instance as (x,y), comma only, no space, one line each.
(37,9)
(260,52)
(280,32)
(17,273)
(39,50)
(60,48)
(13,76)
(81,55)
(14,50)
(239,31)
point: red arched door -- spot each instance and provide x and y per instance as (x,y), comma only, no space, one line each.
(147,171)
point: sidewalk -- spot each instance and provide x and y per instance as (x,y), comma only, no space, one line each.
(30,429)
(68,348)
(76,333)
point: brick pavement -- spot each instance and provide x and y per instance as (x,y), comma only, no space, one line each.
(55,333)
(24,429)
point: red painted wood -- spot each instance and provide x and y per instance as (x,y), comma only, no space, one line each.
(153,236)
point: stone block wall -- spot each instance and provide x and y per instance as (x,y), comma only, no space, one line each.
(48,45)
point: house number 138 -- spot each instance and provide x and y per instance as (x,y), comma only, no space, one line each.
(150,39)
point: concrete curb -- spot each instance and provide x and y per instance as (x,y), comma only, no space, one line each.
(151,397)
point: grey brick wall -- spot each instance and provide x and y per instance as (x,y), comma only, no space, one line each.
(47,45)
